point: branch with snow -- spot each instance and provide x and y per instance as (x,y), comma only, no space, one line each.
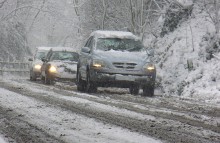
(2,3)
(217,57)
(23,7)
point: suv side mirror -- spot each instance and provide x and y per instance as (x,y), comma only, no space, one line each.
(85,50)
(30,59)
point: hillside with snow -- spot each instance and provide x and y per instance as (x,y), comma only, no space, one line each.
(182,64)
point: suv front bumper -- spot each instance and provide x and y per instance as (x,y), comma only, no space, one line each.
(123,79)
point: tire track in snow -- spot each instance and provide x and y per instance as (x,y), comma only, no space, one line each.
(160,129)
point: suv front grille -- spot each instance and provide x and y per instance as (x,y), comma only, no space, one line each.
(128,66)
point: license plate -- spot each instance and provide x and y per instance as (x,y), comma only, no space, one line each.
(124,78)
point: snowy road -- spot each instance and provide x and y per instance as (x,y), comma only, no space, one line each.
(34,112)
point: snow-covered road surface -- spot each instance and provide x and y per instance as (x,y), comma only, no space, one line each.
(68,126)
(61,114)
(2,140)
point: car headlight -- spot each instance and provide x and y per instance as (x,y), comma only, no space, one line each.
(37,67)
(98,64)
(52,69)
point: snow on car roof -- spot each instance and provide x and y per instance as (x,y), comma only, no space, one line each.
(56,49)
(69,49)
(44,48)
(113,34)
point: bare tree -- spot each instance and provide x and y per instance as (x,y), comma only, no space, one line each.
(2,3)
(212,7)
(36,15)
(57,26)
(104,14)
(143,14)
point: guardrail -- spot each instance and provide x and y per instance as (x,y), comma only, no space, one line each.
(14,68)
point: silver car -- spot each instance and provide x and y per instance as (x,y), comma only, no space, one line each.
(60,64)
(36,63)
(115,59)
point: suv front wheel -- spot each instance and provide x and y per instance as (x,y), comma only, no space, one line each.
(90,86)
(134,89)
(148,90)
(80,83)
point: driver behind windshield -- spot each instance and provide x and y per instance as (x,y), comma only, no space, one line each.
(64,56)
(117,44)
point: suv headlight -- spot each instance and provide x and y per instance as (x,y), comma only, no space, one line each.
(150,67)
(52,69)
(98,64)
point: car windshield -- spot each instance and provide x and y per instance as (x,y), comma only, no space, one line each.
(40,55)
(117,44)
(64,55)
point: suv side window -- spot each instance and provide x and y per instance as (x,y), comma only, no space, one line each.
(89,43)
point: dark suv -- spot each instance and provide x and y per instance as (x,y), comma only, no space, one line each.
(115,59)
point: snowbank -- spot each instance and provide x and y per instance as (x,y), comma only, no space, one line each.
(2,140)
(181,61)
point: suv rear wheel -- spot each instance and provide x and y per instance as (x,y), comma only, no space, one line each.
(80,83)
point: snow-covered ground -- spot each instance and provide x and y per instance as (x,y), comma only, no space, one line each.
(2,140)
(187,44)
(66,114)
(71,127)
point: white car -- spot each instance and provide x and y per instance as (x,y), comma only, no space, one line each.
(60,63)
(36,62)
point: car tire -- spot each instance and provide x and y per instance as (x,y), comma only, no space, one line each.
(80,83)
(42,78)
(134,90)
(90,86)
(48,79)
(33,76)
(148,90)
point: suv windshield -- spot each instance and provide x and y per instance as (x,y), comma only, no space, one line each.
(117,44)
(62,55)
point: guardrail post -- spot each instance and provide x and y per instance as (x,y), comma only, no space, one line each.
(1,69)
